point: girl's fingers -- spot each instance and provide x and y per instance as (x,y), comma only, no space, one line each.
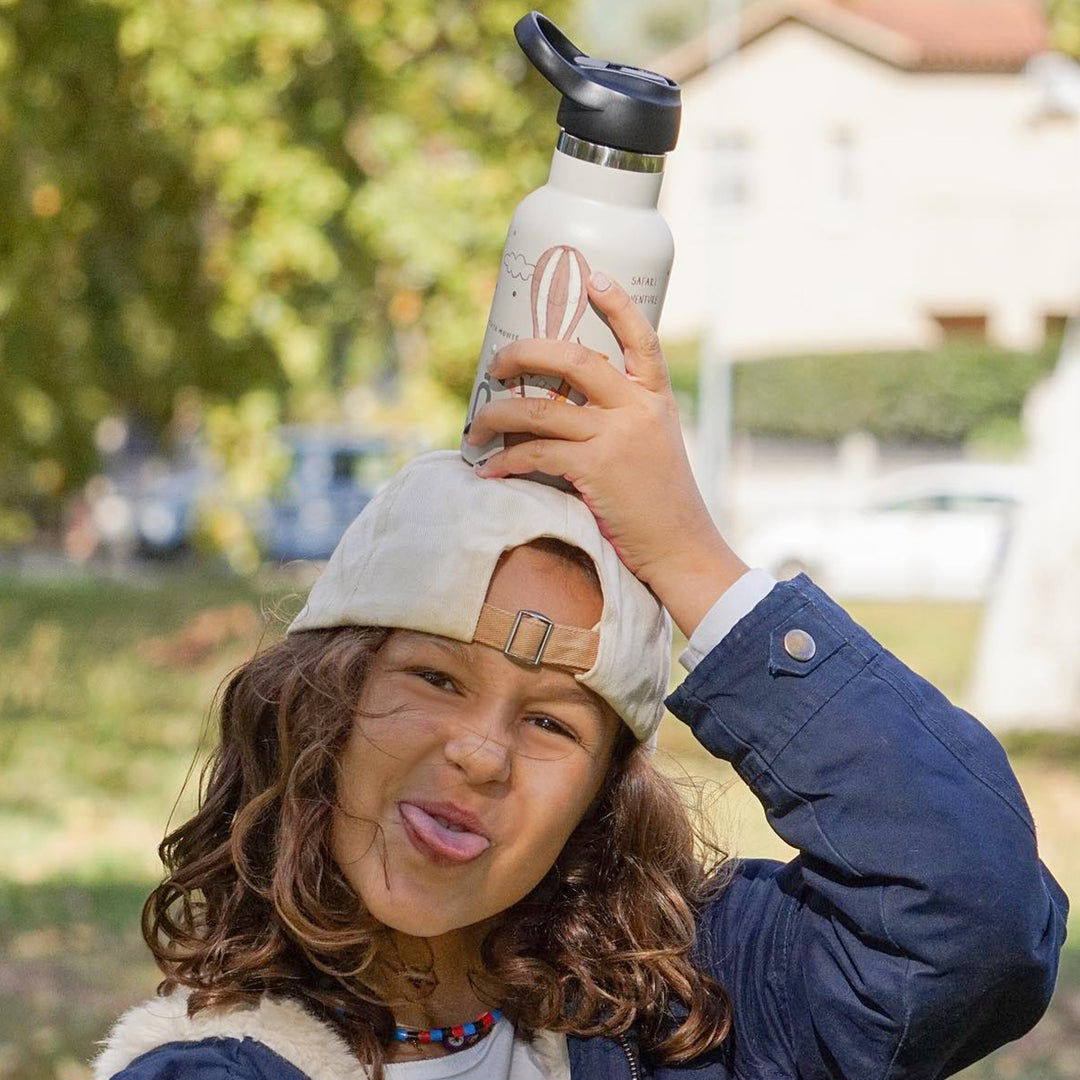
(549,456)
(643,352)
(535,415)
(583,368)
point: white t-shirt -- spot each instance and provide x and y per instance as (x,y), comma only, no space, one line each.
(498,1057)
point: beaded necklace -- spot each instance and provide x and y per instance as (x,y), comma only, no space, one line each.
(457,1037)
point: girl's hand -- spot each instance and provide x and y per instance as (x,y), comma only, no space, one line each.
(623,452)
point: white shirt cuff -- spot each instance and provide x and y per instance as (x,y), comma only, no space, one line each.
(738,600)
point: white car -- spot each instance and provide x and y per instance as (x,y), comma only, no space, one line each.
(932,532)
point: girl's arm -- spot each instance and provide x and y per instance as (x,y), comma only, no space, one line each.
(917,930)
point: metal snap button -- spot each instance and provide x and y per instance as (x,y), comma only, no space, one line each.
(799,645)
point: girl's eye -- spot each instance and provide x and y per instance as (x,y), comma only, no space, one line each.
(548,723)
(438,679)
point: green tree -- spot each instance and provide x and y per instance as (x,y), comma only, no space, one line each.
(280,198)
(1065,21)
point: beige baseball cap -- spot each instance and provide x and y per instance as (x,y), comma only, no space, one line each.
(420,557)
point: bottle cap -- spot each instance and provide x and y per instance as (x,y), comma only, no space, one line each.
(611,104)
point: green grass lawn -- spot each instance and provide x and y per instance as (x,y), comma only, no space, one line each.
(105,691)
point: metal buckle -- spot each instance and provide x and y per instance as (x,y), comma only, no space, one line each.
(535,661)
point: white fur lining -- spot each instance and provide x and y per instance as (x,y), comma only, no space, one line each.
(551,1053)
(278,1023)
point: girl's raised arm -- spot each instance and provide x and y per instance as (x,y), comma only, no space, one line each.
(917,929)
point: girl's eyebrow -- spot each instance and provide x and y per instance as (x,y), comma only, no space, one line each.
(573,695)
(456,649)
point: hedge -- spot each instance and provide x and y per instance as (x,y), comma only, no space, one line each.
(949,395)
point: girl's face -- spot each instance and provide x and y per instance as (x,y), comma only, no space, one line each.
(457,803)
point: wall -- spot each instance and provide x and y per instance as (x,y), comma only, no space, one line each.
(961,204)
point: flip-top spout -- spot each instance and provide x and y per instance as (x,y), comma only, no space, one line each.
(603,102)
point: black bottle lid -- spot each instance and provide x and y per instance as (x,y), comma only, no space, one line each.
(602,102)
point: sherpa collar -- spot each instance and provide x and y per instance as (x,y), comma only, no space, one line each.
(278,1023)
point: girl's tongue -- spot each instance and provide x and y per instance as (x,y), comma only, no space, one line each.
(451,843)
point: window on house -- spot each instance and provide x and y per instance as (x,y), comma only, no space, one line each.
(344,466)
(966,326)
(843,168)
(1054,326)
(730,181)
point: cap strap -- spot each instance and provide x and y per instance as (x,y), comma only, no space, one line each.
(533,638)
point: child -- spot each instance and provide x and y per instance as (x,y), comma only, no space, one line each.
(432,842)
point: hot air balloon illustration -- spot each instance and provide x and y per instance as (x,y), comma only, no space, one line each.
(559,300)
(559,297)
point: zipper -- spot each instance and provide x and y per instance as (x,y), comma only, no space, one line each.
(631,1059)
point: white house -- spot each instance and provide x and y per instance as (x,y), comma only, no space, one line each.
(872,174)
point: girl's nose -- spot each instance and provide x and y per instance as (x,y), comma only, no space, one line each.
(482,758)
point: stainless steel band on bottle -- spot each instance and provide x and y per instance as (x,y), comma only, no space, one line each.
(609,156)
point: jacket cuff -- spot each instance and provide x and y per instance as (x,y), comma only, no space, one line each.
(737,601)
(788,656)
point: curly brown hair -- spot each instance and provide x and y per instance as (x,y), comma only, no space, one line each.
(254,902)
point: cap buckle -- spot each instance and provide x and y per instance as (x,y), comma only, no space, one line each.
(549,627)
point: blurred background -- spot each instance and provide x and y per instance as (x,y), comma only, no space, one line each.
(247,250)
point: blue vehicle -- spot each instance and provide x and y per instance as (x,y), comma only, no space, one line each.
(164,506)
(332,475)
(332,478)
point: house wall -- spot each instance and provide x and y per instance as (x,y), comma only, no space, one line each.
(961,204)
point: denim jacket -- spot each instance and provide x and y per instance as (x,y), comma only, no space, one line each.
(915,931)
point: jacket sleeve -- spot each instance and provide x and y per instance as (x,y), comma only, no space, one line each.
(917,929)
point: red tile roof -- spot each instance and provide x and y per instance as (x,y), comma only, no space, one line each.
(963,33)
(917,35)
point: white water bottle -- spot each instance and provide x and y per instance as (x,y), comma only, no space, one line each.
(597,211)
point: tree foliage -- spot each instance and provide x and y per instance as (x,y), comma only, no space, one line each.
(1065,21)
(286,198)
